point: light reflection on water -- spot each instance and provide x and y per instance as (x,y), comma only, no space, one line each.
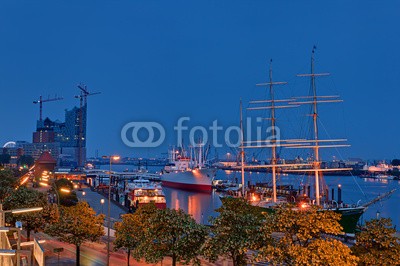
(202,205)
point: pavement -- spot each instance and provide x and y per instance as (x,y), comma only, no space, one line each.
(95,254)
(94,200)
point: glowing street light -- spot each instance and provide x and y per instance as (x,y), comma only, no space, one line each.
(24,210)
(65,190)
(24,180)
(43,184)
(102,203)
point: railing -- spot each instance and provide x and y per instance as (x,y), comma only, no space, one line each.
(6,260)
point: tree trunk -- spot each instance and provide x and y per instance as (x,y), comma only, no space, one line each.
(234,258)
(234,261)
(238,260)
(78,255)
(129,255)
(173,260)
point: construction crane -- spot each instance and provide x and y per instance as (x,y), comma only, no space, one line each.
(82,103)
(41,101)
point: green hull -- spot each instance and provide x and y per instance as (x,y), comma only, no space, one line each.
(348,221)
(350,217)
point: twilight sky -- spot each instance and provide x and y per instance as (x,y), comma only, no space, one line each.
(160,60)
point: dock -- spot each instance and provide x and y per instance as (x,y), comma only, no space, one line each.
(380,197)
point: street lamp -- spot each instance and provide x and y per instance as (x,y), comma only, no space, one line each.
(23,210)
(112,158)
(102,203)
(64,190)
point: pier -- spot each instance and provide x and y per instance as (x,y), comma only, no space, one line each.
(383,196)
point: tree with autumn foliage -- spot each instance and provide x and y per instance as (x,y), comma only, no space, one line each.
(130,233)
(376,244)
(77,224)
(301,237)
(8,184)
(28,198)
(234,231)
(171,233)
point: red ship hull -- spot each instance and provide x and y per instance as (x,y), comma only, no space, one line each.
(191,187)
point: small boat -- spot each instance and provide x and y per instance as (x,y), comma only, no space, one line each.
(142,191)
(222,185)
(383,176)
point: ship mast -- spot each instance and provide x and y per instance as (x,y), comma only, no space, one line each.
(317,163)
(273,161)
(273,142)
(242,147)
(314,100)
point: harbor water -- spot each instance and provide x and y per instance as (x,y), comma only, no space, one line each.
(354,190)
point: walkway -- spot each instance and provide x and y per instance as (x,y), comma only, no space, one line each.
(93,199)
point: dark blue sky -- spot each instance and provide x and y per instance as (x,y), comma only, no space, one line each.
(159,60)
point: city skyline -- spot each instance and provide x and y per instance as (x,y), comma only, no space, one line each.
(197,61)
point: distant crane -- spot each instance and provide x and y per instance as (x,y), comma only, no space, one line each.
(41,101)
(82,103)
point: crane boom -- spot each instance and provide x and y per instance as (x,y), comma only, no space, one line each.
(41,101)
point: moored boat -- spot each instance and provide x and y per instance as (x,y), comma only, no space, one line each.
(142,191)
(188,173)
(268,198)
(193,179)
(385,177)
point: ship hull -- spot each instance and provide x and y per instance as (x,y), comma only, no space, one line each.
(349,216)
(195,180)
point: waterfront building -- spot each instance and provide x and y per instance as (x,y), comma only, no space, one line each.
(36,149)
(45,162)
(61,139)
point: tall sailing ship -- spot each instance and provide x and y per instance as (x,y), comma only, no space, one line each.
(268,198)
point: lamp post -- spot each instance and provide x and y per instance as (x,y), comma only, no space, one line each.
(112,158)
(102,203)
(15,211)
